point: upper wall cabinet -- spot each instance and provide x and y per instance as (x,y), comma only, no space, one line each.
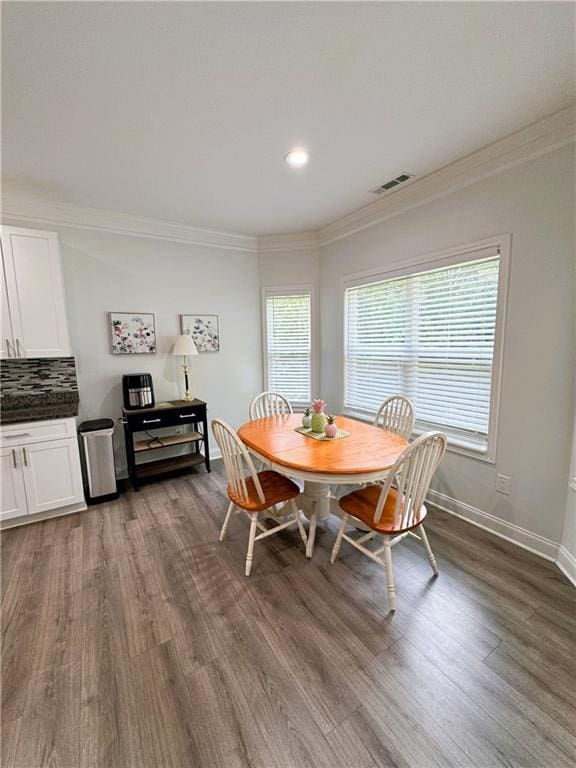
(33,302)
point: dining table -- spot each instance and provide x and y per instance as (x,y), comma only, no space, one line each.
(364,455)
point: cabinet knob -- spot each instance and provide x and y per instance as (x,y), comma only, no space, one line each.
(25,457)
(8,348)
(14,459)
(19,350)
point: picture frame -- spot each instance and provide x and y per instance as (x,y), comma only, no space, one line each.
(204,330)
(133,333)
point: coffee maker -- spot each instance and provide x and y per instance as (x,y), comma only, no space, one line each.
(138,391)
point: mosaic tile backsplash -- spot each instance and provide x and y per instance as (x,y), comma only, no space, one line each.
(37,389)
(38,376)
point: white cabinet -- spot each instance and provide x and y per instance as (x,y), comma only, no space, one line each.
(40,473)
(14,501)
(52,475)
(33,314)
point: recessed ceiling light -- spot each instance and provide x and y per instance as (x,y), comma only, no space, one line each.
(297,157)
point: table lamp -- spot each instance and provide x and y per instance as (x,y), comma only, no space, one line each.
(185,348)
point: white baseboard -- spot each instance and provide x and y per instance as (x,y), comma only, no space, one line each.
(545,548)
(567,564)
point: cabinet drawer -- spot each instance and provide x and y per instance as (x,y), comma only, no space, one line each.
(37,431)
(157,419)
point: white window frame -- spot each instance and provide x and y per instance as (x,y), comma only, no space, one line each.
(456,255)
(288,290)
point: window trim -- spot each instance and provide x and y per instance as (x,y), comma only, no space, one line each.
(437,259)
(572,478)
(287,290)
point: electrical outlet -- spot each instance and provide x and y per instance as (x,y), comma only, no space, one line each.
(503,484)
(179,431)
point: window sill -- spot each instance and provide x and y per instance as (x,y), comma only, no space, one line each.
(299,406)
(456,443)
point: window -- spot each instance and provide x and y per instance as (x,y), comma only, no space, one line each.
(430,335)
(288,343)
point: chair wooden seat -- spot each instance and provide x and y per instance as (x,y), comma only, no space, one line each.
(275,486)
(362,504)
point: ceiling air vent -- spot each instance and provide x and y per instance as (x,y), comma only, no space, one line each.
(393,183)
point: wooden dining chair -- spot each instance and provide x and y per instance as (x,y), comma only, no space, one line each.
(255,493)
(396,414)
(396,508)
(269,404)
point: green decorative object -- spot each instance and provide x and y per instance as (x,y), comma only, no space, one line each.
(318,422)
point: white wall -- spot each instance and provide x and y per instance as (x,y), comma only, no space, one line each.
(535,203)
(106,272)
(289,267)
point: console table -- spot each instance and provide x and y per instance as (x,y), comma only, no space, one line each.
(140,426)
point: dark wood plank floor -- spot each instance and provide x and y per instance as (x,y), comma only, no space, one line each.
(131,639)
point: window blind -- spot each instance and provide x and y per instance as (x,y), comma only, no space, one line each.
(429,336)
(288,344)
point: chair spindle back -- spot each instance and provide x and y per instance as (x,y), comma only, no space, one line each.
(236,458)
(269,404)
(396,414)
(411,475)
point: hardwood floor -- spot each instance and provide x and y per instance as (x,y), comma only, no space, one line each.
(131,639)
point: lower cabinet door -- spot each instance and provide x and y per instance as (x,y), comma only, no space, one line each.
(13,493)
(52,475)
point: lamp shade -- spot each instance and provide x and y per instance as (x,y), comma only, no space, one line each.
(185,347)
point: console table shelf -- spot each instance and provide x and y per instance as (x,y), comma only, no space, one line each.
(175,413)
(152,468)
(166,441)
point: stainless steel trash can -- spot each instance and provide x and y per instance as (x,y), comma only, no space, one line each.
(97,453)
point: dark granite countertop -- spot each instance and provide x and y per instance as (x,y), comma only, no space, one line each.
(15,409)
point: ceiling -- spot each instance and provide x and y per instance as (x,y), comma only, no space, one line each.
(184,111)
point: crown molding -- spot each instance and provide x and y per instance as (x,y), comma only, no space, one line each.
(299,241)
(37,211)
(537,139)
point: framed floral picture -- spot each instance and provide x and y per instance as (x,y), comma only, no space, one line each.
(204,331)
(133,333)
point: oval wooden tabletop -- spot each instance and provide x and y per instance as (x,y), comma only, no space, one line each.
(366,449)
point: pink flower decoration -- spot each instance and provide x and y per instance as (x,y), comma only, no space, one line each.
(318,406)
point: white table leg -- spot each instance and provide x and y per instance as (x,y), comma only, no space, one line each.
(315,500)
